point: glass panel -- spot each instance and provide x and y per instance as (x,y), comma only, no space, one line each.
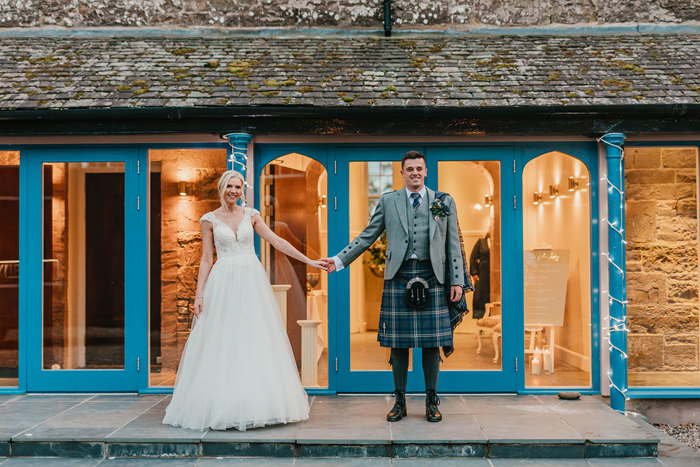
(557,275)
(475,187)
(293,190)
(9,268)
(662,266)
(83,272)
(182,189)
(367,272)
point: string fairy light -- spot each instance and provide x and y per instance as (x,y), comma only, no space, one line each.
(238,155)
(616,325)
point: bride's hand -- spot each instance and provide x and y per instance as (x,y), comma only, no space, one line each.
(318,264)
(197,306)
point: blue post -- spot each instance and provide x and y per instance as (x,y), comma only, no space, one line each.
(617,290)
(238,154)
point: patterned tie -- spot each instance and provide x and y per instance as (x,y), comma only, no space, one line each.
(416,200)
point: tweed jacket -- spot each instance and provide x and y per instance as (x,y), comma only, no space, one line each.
(392,215)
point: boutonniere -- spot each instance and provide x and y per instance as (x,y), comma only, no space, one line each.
(439,209)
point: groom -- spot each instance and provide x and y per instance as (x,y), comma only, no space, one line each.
(422,242)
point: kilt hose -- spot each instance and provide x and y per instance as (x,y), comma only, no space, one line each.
(400,326)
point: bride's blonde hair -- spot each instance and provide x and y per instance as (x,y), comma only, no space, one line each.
(223,181)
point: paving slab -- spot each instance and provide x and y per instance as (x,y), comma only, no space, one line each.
(57,461)
(92,420)
(18,415)
(539,462)
(246,461)
(149,427)
(351,429)
(517,428)
(419,462)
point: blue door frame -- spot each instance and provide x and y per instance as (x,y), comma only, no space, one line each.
(336,158)
(135,277)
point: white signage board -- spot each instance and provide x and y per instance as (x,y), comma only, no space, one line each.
(546,275)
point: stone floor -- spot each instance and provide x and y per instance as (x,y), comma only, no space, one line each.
(118,427)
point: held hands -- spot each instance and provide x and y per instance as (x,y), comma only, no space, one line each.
(455,293)
(329,264)
(319,263)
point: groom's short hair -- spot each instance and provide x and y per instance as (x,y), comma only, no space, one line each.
(413,155)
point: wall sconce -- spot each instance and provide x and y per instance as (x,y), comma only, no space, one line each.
(323,201)
(573,184)
(553,191)
(184,188)
(488,200)
(536,198)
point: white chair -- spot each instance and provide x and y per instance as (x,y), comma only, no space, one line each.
(490,324)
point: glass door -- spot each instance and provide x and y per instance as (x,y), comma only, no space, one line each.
(480,180)
(85,222)
(363,175)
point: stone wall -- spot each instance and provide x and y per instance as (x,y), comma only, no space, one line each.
(181,238)
(662,259)
(338,14)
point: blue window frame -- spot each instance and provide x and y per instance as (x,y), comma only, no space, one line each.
(336,159)
(662,392)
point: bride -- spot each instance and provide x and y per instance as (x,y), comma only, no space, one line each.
(237,369)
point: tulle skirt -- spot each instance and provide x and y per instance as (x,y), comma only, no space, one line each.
(237,369)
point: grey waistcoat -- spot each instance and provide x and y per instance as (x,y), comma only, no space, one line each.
(418,223)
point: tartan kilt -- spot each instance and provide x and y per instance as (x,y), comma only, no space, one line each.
(400,326)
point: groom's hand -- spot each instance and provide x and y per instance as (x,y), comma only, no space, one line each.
(455,293)
(330,264)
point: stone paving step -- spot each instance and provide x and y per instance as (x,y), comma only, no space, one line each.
(126,426)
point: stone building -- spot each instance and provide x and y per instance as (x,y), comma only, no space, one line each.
(117,117)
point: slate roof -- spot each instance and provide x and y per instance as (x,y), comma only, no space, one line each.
(435,71)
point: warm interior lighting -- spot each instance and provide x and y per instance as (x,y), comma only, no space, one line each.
(182,188)
(488,200)
(573,184)
(553,191)
(478,207)
(536,198)
(323,201)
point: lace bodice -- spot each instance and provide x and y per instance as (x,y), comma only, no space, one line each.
(228,242)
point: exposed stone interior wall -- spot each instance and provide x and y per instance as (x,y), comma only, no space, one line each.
(340,14)
(181,238)
(662,260)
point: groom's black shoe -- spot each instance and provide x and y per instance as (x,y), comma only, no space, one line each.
(399,410)
(432,413)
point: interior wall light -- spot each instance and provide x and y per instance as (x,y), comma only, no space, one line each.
(536,198)
(488,200)
(184,188)
(323,201)
(553,191)
(573,184)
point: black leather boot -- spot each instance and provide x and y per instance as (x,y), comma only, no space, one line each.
(432,413)
(399,410)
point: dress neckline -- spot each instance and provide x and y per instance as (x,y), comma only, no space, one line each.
(235,232)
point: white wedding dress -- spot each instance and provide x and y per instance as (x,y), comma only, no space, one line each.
(237,369)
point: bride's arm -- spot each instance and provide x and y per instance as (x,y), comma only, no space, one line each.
(205,264)
(281,244)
